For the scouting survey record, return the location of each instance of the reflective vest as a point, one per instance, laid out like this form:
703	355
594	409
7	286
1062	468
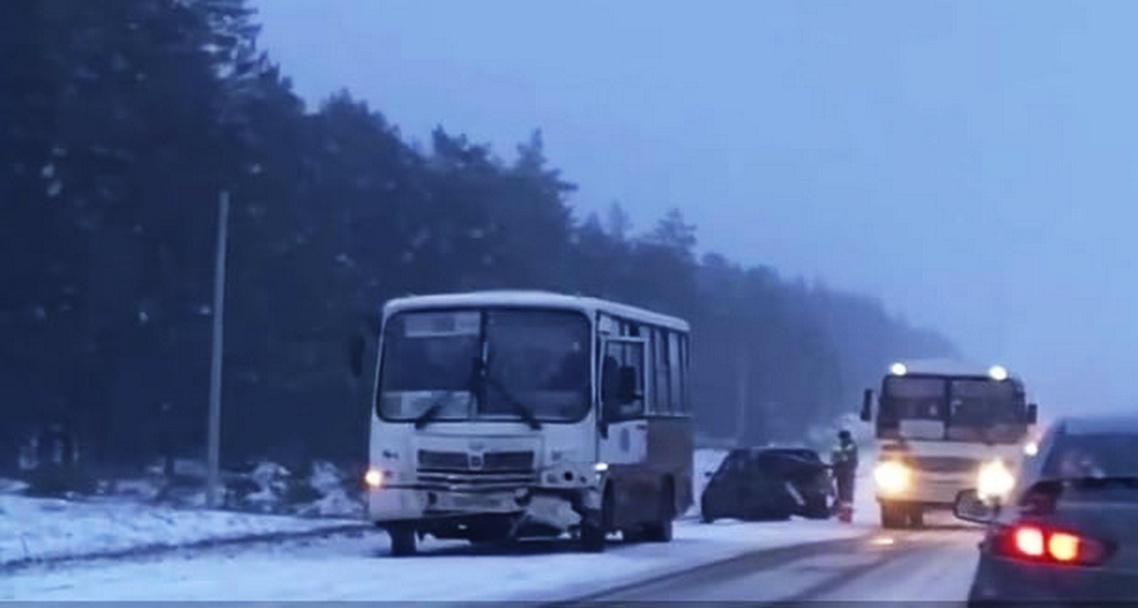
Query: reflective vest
844	456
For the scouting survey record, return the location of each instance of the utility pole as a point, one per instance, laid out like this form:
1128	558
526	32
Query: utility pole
741	411
214	442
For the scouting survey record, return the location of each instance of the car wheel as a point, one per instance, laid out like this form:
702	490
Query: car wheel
706	514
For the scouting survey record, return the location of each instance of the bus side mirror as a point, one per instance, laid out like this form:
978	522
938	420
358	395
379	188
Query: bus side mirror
867	405
1032	413
356	348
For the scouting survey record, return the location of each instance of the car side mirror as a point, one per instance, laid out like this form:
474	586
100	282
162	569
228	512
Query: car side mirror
1032	413
970	507
867	405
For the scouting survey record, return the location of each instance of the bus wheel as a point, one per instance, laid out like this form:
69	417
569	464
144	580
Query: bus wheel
593	535
595	525
916	516
661	531
892	516
402	541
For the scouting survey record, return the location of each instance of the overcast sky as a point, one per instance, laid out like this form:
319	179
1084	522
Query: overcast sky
971	162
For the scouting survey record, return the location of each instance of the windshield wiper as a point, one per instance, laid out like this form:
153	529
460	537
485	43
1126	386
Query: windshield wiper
518	406
428	415
431	413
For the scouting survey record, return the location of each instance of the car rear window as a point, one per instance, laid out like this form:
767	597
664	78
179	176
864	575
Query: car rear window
1093	455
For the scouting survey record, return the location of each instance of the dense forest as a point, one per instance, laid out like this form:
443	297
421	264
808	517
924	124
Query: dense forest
121	121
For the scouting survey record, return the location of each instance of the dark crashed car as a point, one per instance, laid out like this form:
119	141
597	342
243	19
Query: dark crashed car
768	484
1067	533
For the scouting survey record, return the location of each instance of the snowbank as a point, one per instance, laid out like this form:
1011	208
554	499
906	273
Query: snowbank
37	529
264	487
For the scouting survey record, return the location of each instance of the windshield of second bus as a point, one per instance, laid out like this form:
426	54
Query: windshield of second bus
964	410
984	410
536	359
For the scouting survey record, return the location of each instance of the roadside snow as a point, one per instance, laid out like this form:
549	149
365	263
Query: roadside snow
34	529
359	569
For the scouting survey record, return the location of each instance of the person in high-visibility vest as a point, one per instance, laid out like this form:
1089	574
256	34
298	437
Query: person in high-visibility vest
843	460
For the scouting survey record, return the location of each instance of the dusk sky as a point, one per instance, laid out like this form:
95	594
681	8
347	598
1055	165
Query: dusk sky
970	162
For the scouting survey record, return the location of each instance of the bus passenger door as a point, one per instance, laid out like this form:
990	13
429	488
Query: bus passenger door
624	438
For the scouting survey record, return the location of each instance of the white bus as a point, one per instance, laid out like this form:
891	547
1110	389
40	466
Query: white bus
942	427
500	415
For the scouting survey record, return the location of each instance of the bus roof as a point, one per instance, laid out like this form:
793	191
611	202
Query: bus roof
943	367
533	299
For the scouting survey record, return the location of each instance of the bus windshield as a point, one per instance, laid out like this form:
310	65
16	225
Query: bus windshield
482	364
985	409
963	409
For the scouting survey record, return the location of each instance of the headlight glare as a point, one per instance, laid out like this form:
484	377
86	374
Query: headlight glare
892	476
995	480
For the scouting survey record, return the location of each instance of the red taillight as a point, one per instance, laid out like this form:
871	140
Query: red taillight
1029	541
1065	547
1036	543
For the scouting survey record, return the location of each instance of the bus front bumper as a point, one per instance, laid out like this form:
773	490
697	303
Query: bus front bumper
931	490
556	507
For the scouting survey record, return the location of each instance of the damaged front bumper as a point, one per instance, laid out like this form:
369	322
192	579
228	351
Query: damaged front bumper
559	508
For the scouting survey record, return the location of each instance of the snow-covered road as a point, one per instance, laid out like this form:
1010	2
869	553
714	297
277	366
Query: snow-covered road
934	565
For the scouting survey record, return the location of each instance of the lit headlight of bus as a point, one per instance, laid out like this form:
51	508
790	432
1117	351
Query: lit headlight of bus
995	480
892	477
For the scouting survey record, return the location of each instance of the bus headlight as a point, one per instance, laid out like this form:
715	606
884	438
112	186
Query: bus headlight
373	479
892	477
995	480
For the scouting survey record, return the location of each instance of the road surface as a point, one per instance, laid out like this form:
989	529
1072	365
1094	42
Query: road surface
931	565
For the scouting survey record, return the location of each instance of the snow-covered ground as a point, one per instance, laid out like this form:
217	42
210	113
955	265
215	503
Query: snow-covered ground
33	529
36	529
359	569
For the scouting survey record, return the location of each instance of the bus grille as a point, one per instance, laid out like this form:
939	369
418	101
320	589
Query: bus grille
459	471
944	464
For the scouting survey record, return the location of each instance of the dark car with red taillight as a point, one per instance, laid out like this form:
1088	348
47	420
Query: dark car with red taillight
1067	534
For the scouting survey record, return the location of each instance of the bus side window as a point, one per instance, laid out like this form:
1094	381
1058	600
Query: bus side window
685	370
622	358
676	372
660	398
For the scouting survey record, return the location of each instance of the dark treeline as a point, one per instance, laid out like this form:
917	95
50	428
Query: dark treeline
122	120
